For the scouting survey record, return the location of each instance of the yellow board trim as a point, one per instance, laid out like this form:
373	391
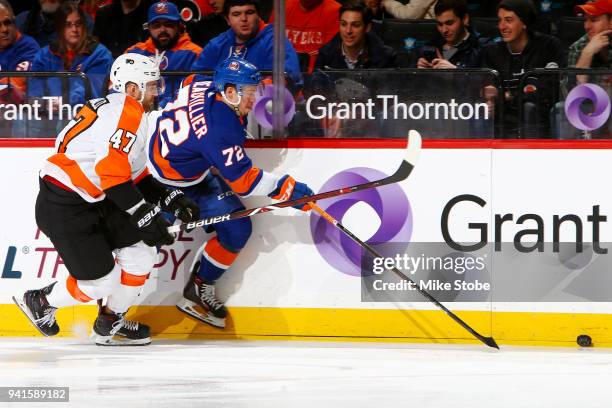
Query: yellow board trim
421	326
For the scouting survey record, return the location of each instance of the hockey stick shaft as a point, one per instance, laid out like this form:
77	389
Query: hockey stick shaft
404	170
489	341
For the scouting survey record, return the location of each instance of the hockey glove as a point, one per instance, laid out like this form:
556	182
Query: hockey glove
177	203
151	225
289	189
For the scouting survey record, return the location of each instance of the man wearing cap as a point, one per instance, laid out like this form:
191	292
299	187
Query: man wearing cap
592	50
522	49
170	44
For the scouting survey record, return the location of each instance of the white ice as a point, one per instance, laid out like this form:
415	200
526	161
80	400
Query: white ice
271	374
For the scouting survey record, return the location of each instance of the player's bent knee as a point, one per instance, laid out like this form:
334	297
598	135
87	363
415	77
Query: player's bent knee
137	259
235	234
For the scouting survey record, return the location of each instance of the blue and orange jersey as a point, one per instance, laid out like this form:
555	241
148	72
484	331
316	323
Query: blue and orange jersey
198	131
180	58
17	57
95	62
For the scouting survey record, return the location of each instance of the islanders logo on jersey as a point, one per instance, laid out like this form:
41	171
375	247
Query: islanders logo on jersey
234	66
163	63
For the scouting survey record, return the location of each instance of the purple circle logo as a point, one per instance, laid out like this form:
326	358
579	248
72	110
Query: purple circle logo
601	107
390	204
263	107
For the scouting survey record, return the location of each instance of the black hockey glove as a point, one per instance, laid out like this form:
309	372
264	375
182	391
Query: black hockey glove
151	225
177	203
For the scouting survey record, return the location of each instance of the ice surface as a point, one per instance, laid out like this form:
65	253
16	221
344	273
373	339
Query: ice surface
202	373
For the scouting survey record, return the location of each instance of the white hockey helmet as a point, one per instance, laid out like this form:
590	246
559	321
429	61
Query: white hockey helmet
135	68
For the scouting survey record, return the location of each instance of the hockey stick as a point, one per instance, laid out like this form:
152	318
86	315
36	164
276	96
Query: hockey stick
412	155
489	341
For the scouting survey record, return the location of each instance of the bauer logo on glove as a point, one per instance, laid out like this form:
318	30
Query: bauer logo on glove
146	219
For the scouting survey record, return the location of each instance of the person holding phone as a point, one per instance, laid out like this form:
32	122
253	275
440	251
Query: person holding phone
458	45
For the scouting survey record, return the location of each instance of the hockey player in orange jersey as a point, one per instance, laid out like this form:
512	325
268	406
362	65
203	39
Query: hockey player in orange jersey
102	209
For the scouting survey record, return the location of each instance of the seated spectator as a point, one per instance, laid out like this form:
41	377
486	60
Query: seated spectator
16	54
17	51
522	49
120	24
39	22
309	25
74	50
210	25
593	50
414	9
249	38
169	44
458	45
355	46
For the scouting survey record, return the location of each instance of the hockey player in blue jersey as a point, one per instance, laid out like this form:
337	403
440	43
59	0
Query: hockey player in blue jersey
204	128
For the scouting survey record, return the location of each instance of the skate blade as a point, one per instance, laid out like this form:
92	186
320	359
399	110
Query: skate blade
189	307
118	341
21	305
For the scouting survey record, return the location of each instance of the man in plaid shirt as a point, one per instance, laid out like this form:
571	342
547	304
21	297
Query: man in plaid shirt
593	49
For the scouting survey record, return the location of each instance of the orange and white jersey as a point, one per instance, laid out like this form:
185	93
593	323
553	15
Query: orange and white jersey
103	146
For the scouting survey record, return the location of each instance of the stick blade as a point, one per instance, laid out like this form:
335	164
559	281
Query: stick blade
489	341
414	147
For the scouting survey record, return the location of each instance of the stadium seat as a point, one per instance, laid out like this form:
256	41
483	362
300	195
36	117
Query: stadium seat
570	29
485	26
408	35
481	8
556	8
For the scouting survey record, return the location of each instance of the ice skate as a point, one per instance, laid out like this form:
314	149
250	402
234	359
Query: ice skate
35	306
199	301
112	329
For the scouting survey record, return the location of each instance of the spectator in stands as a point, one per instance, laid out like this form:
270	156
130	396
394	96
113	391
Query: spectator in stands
249	38
414	9
210	26
39	22
522	49
16	54
169	44
17	51
309	25
377	14
355	46
74	50
458	45
593	49
120	24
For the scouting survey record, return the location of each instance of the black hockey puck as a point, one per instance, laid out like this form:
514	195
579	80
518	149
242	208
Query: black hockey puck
584	340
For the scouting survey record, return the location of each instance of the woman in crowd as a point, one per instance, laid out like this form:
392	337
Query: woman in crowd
76	51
